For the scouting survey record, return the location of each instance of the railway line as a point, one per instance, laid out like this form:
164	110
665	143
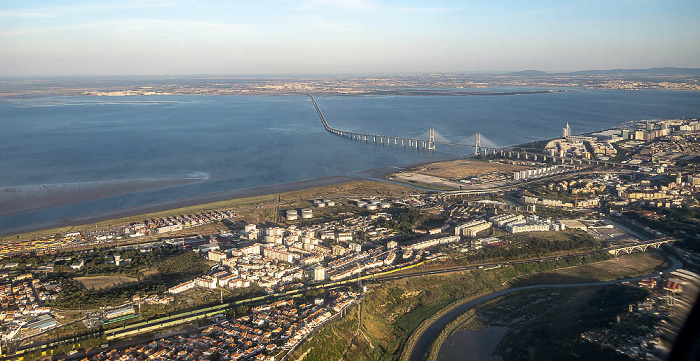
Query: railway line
208	311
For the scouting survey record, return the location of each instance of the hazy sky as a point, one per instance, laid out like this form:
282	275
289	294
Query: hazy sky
343	36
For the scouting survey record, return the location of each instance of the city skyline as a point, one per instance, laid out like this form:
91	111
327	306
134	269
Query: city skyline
335	36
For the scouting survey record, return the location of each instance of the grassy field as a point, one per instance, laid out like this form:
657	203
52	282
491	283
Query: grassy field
463	168
390	313
626	266
104	282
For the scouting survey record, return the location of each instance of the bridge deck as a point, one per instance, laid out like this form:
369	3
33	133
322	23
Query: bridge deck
430	143
367	137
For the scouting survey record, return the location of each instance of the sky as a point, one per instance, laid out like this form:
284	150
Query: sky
188	37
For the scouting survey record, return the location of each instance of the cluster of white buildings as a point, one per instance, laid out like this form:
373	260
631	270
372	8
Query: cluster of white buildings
537	172
165	225
545	202
355	263
472	228
490	241
652	129
572	146
579	146
292	254
434	242
517	223
285	256
22	309
244	268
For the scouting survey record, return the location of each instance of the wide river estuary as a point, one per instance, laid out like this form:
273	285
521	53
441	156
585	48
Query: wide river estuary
66	157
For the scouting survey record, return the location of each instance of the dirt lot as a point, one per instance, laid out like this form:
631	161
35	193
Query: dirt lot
463	168
104	282
426	179
632	265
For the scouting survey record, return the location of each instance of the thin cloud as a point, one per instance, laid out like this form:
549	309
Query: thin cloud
55	11
426	9
135	24
369	5
553	11
50	29
339	4
24	14
201	25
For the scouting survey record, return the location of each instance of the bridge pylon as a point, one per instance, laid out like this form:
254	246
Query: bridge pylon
431	139
477	143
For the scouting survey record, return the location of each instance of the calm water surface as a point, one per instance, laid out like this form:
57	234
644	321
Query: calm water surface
236	142
473	345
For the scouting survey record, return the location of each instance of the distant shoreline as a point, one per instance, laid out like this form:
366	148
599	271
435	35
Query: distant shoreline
436	92
376	174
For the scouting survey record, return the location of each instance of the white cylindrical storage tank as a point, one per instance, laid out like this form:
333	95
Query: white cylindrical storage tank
306	213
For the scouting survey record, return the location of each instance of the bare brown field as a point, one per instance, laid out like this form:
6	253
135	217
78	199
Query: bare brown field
463	168
354	189
631	265
419	178
104	282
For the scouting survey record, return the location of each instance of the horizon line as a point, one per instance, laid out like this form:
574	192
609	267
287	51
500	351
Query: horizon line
465	72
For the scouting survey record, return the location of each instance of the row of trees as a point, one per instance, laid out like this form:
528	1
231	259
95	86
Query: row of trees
74	296
174	267
405	222
535	245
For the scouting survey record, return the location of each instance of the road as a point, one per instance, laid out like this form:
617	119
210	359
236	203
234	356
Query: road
190	316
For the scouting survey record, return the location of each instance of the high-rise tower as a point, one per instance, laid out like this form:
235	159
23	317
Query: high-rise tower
477	143
566	131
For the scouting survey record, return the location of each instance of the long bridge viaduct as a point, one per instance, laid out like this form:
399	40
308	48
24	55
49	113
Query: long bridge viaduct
479	148
428	144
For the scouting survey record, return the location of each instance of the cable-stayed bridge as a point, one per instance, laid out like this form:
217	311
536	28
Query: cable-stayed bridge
426	140
478	141
482	145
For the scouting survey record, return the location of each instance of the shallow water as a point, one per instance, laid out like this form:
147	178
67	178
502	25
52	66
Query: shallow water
473	345
237	142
